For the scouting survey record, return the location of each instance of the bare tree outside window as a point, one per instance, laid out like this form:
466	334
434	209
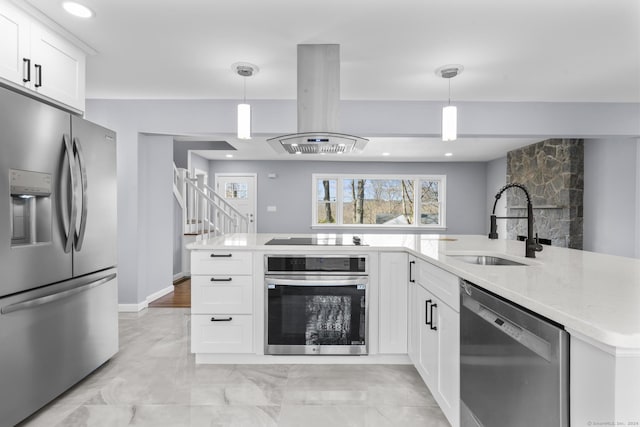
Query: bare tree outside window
326	201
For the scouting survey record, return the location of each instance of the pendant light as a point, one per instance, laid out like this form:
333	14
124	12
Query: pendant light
244	70
450	112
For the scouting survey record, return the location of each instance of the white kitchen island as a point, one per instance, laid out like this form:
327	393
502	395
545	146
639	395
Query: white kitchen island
595	297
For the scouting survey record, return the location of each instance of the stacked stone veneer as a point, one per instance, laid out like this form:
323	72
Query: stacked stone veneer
553	172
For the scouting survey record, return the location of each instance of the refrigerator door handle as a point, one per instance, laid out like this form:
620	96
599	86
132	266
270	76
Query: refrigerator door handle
79	237
23	305
74	211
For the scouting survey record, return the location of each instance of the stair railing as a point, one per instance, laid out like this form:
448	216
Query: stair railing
204	212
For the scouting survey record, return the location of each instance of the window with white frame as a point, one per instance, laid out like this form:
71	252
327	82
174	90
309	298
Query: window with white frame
379	200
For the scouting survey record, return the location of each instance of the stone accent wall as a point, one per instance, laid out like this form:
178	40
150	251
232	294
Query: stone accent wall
553	172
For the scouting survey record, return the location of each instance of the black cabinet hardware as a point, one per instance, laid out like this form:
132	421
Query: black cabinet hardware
221	256
411	264
38	68
426	313
228	279
27	66
433	326
226	319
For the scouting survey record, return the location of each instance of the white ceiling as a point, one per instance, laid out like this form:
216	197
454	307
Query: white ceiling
528	50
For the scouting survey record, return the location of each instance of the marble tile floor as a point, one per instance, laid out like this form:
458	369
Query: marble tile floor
154	381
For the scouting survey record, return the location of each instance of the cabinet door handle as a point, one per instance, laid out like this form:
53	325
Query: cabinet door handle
227	279
38	68
26	62
426	313
221	255
433	326
411	264
227	319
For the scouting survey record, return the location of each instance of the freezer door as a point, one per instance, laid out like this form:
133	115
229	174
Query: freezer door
52	337
95	235
34	194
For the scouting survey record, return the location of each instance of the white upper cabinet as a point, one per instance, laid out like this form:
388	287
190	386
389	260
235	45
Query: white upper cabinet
14	33
36	58
59	68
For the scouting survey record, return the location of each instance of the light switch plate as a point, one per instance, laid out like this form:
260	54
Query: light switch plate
271	209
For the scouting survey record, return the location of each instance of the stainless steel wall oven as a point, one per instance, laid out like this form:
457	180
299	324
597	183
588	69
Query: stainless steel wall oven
316	304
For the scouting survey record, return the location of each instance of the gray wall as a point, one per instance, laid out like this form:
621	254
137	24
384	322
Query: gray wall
291	191
130	118
611	171
181	150
198	162
156	214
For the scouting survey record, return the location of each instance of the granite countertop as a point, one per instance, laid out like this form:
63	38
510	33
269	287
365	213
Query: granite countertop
593	295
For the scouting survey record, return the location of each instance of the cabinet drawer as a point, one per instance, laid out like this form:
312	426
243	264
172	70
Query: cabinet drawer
221	262
222	294
442	284
221	335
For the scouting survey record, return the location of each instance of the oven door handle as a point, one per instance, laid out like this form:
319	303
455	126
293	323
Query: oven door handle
312	282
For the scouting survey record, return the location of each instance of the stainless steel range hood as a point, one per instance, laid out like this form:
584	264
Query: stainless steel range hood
318	106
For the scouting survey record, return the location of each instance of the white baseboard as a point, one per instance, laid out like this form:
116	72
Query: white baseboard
181	275
134	308
162	292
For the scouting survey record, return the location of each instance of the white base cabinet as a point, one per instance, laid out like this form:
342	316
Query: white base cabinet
392	309
222	302
221	333
434	342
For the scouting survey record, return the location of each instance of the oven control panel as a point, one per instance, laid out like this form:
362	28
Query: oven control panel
316	264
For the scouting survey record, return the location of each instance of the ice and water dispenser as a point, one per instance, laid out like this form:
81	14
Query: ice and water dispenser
30	207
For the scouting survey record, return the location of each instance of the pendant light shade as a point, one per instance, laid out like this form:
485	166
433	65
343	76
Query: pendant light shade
449	123
244	121
450	112
244	69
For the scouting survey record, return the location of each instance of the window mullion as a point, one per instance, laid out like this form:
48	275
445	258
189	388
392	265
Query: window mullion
339	200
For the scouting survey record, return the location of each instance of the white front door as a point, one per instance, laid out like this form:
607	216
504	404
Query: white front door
239	190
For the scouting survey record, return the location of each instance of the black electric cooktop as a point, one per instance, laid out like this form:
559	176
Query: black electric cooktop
316	241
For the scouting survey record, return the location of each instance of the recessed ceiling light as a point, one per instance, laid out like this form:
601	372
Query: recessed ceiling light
77	9
298	152
448	154
228	156
386	154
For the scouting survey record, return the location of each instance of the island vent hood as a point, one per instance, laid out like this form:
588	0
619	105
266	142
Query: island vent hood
318	106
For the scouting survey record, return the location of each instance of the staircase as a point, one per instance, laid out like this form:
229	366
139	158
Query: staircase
204	212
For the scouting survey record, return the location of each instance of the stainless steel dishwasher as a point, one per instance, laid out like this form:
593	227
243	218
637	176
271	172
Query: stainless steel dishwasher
514	365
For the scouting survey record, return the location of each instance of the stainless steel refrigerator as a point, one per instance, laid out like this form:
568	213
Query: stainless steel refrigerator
58	285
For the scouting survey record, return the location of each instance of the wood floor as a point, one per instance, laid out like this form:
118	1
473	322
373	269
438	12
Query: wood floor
180	297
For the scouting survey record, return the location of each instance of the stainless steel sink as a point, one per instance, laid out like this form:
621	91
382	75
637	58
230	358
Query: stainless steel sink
485	260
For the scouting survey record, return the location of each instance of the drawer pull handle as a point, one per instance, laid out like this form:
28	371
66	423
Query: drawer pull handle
411	279
228	279
221	256
228	319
